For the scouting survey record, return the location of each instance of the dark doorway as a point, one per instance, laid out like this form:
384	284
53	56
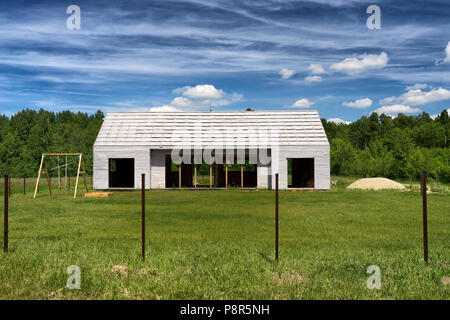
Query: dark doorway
301	173
121	173
246	178
186	175
203	175
236	175
219	175
173	174
250	176
242	175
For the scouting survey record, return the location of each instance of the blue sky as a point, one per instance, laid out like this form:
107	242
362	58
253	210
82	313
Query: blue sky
226	55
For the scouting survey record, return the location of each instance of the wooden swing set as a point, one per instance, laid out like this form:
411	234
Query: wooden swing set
45	171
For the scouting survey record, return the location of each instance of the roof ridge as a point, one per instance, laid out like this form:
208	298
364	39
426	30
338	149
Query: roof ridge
215	112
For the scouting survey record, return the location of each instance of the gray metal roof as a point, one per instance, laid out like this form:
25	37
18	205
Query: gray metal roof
167	129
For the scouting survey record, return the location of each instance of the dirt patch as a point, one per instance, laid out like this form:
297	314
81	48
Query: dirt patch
289	278
446	281
120	268
376	184
147	271
55	295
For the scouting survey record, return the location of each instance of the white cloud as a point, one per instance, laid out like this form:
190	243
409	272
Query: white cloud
286	73
313	78
417	97
363	62
201	91
200	97
302	103
338	121
360	103
396	109
182	102
417	86
164	108
316	68
447	53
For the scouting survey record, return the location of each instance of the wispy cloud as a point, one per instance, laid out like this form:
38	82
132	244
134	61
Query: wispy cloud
302	103
133	54
360	103
316	68
396	109
361	63
417	86
286	73
313	78
417	97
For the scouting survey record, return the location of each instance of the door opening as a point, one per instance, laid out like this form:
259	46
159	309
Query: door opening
301	173
121	173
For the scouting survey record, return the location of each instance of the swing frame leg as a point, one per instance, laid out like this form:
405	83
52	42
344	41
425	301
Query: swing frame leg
80	163
39	177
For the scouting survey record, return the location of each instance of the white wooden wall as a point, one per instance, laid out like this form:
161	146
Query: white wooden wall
141	156
263	174
321	155
158	168
152	163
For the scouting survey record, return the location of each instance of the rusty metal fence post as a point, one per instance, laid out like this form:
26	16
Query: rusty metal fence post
276	217
143	216
425	215
5	216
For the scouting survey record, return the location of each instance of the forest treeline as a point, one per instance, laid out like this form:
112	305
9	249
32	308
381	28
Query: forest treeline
28	133
377	145
400	147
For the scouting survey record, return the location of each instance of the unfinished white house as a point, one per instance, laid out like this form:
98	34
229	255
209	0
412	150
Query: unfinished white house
212	150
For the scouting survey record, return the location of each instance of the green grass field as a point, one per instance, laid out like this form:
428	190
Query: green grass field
220	245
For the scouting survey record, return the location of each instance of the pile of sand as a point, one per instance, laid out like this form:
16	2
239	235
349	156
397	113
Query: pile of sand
375	184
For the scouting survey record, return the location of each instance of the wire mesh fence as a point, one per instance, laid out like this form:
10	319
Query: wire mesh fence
27	185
